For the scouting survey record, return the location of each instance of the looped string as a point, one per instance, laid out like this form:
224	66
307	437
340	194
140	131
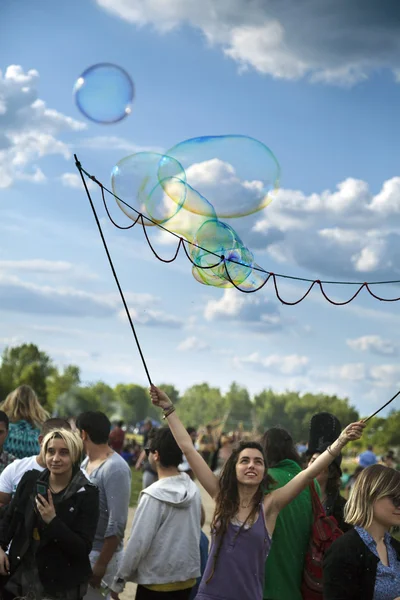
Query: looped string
182	243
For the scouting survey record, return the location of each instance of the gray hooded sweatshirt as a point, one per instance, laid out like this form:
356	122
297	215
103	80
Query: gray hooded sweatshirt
163	546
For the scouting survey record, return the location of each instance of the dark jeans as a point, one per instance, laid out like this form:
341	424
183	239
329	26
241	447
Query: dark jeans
143	593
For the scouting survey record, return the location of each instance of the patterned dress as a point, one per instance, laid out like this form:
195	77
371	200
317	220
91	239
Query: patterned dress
23	440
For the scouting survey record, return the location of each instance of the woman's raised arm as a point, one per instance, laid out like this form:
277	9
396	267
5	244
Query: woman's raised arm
278	499
200	468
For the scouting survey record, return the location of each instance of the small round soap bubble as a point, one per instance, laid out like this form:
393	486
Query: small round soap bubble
104	93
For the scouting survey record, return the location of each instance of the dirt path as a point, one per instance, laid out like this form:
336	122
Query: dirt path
208	504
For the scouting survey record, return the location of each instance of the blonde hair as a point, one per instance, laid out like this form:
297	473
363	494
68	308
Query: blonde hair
71	439
373	483
23	405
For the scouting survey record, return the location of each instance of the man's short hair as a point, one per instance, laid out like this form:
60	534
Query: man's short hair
4	419
55	423
162	441
96	424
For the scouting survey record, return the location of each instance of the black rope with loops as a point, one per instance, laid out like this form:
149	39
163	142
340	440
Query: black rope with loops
221	260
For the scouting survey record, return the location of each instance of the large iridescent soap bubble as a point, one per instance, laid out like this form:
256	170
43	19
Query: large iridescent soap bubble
237	174
104	93
191	187
207	277
218	249
183	222
135	184
255	280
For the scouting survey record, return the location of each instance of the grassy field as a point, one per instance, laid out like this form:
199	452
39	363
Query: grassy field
136	486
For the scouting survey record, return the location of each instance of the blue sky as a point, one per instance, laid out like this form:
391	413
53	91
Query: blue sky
319	88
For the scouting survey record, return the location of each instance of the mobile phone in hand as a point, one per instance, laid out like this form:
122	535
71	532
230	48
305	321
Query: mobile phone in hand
42	488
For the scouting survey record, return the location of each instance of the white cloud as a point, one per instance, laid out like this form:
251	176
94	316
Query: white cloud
112	142
218	181
23	297
14	340
53	330
74	181
385	375
263	47
335	42
36	265
368	259
254	310
29	129
37	176
152	318
387	201
357	233
292	364
349	372
56	269
193	344
373	343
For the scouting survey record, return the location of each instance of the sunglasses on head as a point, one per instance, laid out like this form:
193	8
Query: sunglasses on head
395	501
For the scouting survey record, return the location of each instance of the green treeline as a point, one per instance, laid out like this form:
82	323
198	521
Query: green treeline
62	392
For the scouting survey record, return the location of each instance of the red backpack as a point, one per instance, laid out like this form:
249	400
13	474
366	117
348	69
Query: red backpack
325	531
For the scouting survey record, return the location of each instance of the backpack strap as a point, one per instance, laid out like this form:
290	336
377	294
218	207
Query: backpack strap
316	503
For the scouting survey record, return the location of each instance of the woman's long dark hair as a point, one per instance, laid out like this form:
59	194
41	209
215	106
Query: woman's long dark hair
227	501
334	482
278	445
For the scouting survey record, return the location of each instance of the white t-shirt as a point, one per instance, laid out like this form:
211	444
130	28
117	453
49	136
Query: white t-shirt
184	466
12	475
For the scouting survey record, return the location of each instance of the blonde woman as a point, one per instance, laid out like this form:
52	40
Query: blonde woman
26	417
365	562
51	523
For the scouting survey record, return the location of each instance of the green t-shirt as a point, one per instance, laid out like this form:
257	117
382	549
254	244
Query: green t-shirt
285	562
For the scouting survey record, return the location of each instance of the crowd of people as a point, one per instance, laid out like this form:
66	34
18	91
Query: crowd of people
65	489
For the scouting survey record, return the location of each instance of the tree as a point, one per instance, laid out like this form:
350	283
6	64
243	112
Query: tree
201	404
294	411
76	401
105	397
26	364
385	433
171	392
240	407
97	396
271	410
133	402
59	383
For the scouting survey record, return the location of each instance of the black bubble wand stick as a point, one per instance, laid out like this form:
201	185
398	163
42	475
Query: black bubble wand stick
79	167
382	407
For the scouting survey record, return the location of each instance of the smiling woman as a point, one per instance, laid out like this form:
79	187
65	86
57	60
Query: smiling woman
50	523
365	562
244	518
